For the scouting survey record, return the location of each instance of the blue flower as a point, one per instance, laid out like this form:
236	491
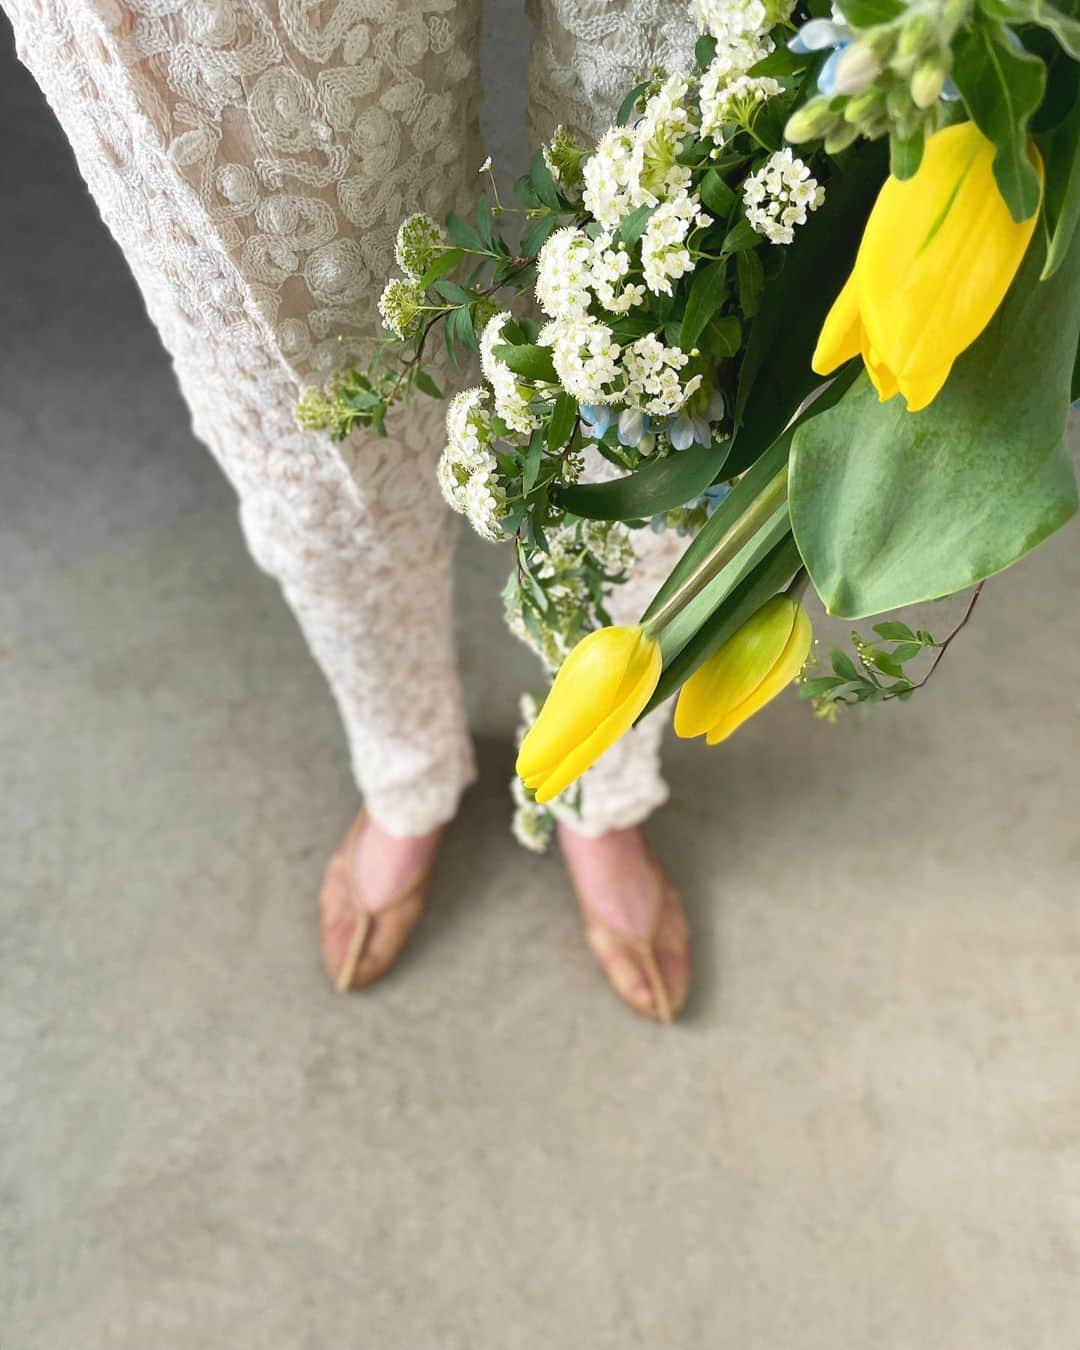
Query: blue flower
817	36
597	418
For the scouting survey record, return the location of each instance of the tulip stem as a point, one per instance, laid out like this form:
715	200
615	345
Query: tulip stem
738	534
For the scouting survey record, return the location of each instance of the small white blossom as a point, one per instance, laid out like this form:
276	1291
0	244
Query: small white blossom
563	274
467	471
609	270
511	404
652	373
664	255
607	178
779	195
585	356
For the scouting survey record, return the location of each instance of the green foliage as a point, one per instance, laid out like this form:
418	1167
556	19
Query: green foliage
891	508
1003	85
659	485
880	674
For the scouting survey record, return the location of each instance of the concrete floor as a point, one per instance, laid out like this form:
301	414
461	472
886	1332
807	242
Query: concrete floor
865	1134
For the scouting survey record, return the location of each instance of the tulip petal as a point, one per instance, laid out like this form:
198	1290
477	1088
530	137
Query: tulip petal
841	333
783	672
633	697
599	691
938	254
735	670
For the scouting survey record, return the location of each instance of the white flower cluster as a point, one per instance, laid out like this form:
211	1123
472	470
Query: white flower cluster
738	21
585	356
419	242
399	306
664	255
779	195
564	274
653	382
467	468
510	403
637	166
727	100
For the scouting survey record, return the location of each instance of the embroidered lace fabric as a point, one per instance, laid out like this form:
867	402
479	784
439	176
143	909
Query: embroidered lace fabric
253	159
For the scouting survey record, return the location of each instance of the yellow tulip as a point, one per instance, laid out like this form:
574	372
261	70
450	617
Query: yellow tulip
598	693
749	670
939	251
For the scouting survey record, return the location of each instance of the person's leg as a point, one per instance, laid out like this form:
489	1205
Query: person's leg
254	166
586	55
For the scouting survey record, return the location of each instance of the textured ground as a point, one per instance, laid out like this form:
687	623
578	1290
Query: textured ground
865	1135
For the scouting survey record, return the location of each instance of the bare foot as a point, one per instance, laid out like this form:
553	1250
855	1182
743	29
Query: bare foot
619	883
374	870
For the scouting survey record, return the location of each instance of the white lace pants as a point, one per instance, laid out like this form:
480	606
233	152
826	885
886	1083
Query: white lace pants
253	159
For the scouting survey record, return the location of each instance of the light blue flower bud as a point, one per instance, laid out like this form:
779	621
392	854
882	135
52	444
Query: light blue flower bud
856	69
633	424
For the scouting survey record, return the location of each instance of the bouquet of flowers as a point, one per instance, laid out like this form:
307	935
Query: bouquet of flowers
814	304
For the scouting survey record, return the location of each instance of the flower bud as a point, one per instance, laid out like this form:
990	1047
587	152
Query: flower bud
809	122
862	107
928	82
840	139
916	35
857	68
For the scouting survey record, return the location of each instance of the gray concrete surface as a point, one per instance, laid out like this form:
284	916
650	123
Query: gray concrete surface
864	1136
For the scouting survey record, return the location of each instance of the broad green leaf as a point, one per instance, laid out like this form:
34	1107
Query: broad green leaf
632	227
532	462
758	584
659	485
742	235
894	631
542	183
775	374
708	290
1002	86
455	294
445	262
626	107
716	196
527	360
891	508
751	279
1064	26
704	51
561	423
1061	153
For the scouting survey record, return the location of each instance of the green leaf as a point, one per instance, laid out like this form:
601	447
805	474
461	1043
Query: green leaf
1061	153
485	223
528	360
775	374
1065	27
742	235
751	278
561	423
537	235
716	197
445	262
427	385
891	508
723	336
708	290
759	583
455	294
632	227
533	455
1002	86
869	13
542	182
626	107
894	631
704	51
658	485
905	154
843	665
463	234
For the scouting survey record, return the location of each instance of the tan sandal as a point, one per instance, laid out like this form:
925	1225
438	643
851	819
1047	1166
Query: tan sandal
668	931
340	897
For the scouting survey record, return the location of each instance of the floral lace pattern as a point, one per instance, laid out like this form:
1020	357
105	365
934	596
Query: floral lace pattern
253	159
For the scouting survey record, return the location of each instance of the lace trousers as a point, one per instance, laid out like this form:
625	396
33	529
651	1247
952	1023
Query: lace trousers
253	159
